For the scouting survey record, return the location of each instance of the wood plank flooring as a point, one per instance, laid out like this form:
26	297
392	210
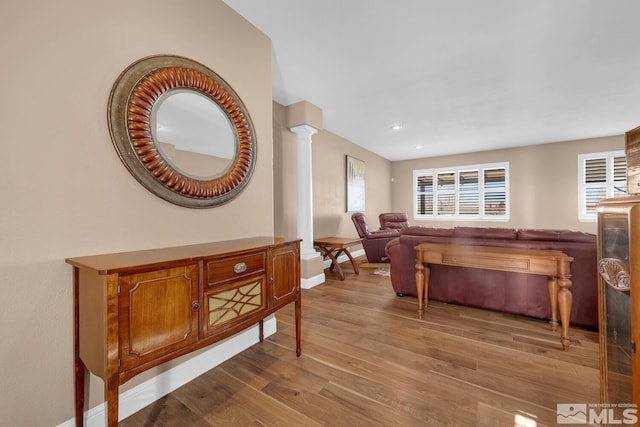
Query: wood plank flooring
368	361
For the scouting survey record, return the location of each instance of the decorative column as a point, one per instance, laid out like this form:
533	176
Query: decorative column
305	190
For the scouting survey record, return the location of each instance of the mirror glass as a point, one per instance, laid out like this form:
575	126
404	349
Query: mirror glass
193	134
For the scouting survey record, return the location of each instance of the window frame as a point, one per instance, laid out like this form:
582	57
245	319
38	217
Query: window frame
609	185
482	193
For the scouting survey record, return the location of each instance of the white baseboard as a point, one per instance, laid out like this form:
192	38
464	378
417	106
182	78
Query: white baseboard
131	401
312	281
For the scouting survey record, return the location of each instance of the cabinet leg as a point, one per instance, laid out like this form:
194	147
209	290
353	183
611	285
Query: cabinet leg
81	376
298	315
261	330
80	388
111	393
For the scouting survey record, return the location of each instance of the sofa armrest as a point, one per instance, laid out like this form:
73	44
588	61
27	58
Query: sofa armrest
390	245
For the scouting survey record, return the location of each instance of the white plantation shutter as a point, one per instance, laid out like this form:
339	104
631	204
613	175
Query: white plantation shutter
619	176
601	176
424	195
495	194
446	194
479	192
469	193
595	179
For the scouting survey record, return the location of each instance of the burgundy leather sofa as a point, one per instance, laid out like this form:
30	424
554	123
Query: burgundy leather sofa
516	293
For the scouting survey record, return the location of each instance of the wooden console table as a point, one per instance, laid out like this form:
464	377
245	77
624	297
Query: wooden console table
332	247
554	264
136	310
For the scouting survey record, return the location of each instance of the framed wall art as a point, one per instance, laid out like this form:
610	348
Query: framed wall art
355	185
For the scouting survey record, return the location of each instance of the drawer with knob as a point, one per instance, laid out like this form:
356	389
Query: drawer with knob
233	268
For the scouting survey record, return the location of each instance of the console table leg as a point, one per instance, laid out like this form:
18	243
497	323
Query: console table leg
565	299
422	287
552	285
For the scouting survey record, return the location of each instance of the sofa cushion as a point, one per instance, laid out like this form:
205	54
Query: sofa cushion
486	233
556	235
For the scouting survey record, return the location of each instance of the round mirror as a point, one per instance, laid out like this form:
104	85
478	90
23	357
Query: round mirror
182	131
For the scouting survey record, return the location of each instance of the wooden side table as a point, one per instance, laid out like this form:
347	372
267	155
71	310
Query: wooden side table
332	247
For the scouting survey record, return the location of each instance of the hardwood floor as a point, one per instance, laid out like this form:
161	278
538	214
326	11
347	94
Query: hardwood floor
368	361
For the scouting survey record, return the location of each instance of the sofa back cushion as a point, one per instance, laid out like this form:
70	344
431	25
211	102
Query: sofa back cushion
396	220
415	230
556	236
486	233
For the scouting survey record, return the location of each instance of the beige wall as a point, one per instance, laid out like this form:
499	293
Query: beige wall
284	174
329	153
330	217
543	180
64	190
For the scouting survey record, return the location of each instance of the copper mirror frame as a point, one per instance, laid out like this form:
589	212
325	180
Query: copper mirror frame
131	102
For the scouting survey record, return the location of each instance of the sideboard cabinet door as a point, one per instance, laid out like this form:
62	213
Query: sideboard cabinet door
158	313
284	280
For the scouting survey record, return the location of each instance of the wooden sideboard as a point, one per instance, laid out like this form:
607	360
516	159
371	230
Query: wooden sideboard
136	310
554	264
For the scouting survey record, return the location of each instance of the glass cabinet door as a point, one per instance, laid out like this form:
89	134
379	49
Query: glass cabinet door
615	300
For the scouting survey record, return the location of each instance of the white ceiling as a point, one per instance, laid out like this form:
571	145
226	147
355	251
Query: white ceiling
459	75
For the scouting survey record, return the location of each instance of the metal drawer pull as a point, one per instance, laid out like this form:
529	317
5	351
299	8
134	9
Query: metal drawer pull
240	267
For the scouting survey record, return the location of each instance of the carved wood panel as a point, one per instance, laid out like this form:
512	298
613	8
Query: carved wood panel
156	313
284	265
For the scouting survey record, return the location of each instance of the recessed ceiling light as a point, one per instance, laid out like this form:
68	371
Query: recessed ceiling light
396	126
418	147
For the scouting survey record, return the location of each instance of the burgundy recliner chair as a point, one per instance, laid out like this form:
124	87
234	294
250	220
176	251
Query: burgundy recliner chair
373	242
393	220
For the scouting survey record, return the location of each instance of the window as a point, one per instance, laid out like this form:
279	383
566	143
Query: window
600	176
463	193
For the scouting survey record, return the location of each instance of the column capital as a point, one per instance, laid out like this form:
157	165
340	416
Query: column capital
304	130
303	113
